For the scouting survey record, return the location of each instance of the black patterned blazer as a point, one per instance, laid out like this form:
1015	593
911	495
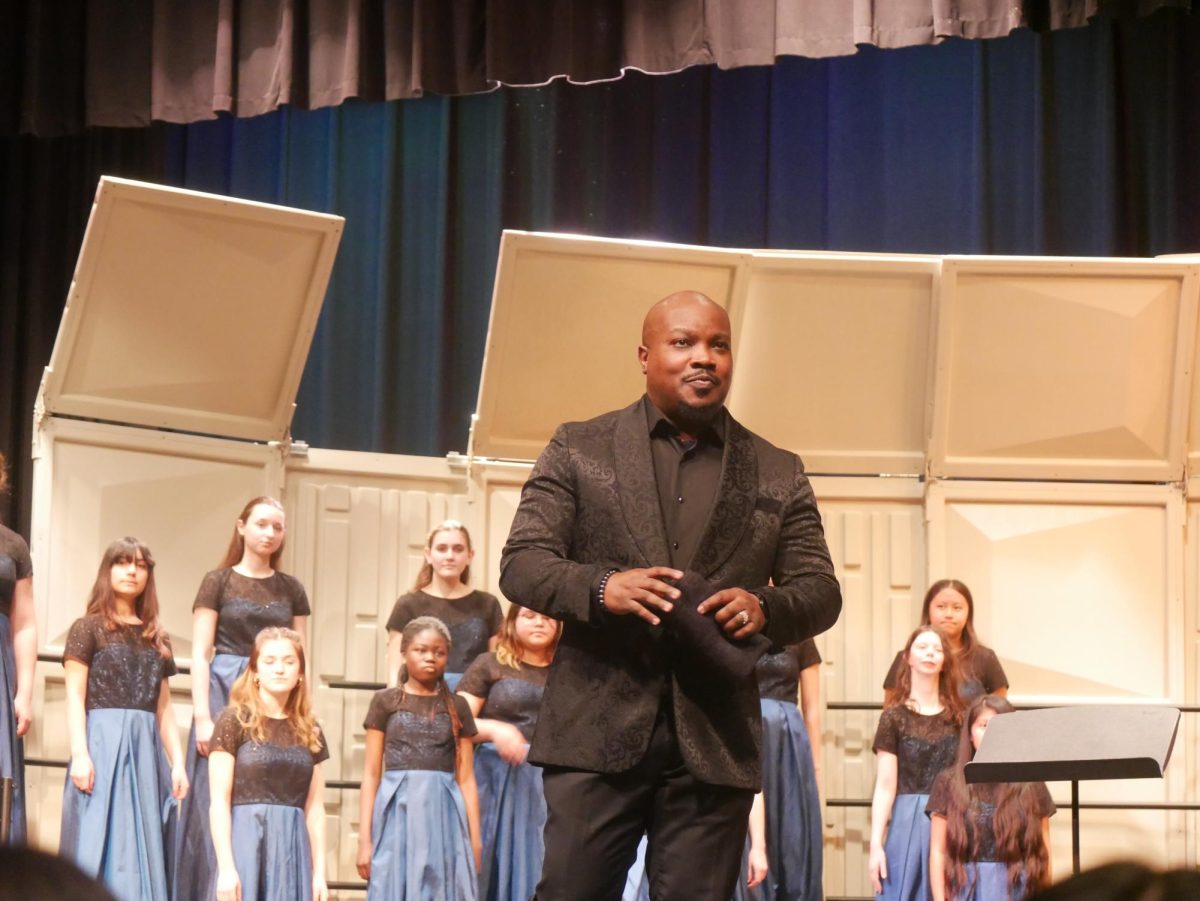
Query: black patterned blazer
590	505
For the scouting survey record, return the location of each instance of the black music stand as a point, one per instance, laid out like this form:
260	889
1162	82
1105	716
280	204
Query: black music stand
1060	744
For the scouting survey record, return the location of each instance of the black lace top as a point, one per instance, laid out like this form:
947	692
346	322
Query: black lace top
1036	801
980	673
276	771
510	695
779	673
246	606
124	669
923	745
417	729
471	619
14	566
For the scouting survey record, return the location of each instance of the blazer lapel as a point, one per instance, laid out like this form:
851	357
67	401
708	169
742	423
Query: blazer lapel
734	505
636	487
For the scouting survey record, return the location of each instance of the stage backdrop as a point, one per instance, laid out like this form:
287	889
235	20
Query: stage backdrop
1071	142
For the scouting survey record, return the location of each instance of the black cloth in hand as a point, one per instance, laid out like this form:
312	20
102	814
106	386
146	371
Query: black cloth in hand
702	640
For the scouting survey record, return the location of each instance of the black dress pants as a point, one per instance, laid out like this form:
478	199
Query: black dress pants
696	831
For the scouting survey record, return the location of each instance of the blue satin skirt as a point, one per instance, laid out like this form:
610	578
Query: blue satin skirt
119	832
271	852
512	815
988	881
792	806
421	846
195	862
907	851
12	749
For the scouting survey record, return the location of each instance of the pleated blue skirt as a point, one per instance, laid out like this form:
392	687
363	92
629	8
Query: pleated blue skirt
271	852
907	851
118	832
12	749
792	806
194	861
512	814
421	847
988	881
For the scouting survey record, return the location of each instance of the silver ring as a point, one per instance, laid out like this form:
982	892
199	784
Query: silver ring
743	618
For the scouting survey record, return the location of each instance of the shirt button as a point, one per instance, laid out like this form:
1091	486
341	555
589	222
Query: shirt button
675	545
680	499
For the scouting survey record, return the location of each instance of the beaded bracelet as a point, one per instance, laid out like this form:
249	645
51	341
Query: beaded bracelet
604	584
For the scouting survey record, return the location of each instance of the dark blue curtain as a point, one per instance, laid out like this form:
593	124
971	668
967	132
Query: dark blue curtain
1072	142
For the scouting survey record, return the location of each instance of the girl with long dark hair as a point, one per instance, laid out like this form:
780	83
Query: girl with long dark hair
267	812
119	719
950	607
244	595
418	808
442	590
504	688
990	841
916	739
18	658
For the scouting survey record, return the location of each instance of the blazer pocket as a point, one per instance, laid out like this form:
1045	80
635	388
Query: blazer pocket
772	506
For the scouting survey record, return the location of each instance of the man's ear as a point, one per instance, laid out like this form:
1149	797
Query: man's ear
643	353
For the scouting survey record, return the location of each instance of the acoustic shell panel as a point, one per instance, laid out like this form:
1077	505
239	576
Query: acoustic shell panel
190	311
565	327
832	359
1063	368
179	494
1077	587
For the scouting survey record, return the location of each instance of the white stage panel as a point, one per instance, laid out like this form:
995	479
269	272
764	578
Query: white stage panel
832	359
1063	369
565	326
1078	588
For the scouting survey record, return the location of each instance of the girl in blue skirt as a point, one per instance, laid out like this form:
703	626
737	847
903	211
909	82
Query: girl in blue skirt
989	841
117	798
418	833
504	690
916	739
18	657
245	595
267	813
790	754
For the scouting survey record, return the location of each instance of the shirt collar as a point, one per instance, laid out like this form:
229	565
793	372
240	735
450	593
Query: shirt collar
658	424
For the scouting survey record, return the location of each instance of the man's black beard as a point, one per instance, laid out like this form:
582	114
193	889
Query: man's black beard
691	419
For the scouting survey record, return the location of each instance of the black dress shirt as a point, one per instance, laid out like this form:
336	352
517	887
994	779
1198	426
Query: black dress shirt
687	472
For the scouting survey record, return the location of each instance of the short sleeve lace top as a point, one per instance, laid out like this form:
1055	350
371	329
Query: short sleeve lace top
510	695
124	668
246	606
1034	797
417	729
923	745
471	619
15	565
276	771
779	672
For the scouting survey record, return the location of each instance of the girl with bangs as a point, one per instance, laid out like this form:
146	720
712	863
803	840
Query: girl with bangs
916	740
267	812
504	689
418	834
950	607
244	595
117	795
991	841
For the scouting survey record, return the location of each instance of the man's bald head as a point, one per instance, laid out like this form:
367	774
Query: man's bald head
661	311
687	357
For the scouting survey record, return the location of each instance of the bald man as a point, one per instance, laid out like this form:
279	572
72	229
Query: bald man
636	732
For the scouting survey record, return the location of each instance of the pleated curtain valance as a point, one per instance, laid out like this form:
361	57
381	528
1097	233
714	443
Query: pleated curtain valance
70	64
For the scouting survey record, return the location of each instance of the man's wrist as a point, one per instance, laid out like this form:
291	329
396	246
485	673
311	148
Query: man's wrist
763	605
602	585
